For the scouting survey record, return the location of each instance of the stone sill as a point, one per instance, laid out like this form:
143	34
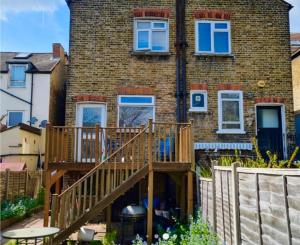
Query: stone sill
214	55
149	53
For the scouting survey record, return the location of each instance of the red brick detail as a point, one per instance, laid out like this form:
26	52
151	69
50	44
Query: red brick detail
58	50
135	91
199	86
151	12
269	100
89	97
228	86
212	14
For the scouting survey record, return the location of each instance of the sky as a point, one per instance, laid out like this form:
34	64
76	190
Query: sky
33	25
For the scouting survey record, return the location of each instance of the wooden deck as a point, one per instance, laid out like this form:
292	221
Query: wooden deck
114	159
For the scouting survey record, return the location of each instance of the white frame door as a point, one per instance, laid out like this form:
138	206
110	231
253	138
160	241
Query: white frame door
79	123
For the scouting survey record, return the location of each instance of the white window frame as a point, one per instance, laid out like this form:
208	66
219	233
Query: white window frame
150	30
213	30
8	112
135	104
23	85
241	112
198	109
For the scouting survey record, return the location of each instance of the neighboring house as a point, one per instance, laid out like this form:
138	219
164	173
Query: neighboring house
237	76
295	49
22	144
32	87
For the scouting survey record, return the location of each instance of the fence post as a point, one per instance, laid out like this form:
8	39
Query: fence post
54	206
97	144
235	202
7	183
214	224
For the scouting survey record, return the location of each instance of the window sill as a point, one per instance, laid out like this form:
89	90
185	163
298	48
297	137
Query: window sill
214	55
231	132
197	110
17	87
150	53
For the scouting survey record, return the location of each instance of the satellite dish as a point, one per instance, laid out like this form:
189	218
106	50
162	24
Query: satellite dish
43	124
33	120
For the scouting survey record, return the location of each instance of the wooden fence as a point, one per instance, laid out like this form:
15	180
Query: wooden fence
20	183
253	206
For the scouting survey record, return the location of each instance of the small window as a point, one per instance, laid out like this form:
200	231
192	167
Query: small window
213	37
151	35
198	100
230	110
135	110
14	118
17	78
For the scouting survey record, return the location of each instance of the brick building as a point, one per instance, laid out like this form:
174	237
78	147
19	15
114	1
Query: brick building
238	68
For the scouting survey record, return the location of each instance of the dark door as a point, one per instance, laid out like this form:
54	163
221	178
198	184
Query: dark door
269	130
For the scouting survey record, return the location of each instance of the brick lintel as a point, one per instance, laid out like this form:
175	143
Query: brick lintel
229	86
212	14
152	12
135	91
89	97
269	100
199	86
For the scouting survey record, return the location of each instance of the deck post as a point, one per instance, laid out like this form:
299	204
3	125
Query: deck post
190	194
47	197
47	146
108	218
97	144
54	206
182	197
150	185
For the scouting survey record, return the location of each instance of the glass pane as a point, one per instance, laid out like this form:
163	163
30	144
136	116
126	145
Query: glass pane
221	25
230	111
91	116
230	96
159	25
221	42
134	116
143	39
143	25
268	118
231	126
204	31
159	40
136	100
18	73
198	100
15	118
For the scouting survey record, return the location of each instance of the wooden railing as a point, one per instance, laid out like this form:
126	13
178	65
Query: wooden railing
84	144
172	142
101	181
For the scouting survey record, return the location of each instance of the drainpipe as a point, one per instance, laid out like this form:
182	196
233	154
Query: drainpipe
181	95
31	96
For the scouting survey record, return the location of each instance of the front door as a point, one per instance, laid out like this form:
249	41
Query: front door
87	117
269	130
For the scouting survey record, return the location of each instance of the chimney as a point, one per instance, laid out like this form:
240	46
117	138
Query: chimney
58	51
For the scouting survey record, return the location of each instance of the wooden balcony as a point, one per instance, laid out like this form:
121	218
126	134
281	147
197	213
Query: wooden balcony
73	148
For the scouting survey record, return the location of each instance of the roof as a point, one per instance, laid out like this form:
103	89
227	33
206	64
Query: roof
13	166
295	44
42	62
25	127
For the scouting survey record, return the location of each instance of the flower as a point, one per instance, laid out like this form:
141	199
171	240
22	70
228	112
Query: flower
156	236
166	236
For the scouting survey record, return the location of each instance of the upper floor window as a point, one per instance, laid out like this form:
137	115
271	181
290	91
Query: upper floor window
230	110
14	118
135	110
213	37
151	35
17	77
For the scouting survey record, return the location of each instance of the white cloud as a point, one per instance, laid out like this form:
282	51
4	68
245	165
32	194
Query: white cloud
17	6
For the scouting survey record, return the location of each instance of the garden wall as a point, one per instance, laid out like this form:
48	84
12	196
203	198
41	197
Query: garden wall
20	183
253	206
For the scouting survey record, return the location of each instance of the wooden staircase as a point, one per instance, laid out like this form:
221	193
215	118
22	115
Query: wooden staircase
100	187
159	145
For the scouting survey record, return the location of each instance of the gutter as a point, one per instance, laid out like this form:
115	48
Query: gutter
14	96
31	97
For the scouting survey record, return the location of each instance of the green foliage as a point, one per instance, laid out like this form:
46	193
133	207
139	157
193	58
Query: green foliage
196	232
258	162
21	206
110	238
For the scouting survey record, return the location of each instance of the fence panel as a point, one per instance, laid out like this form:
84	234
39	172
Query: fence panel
19	183
267	202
